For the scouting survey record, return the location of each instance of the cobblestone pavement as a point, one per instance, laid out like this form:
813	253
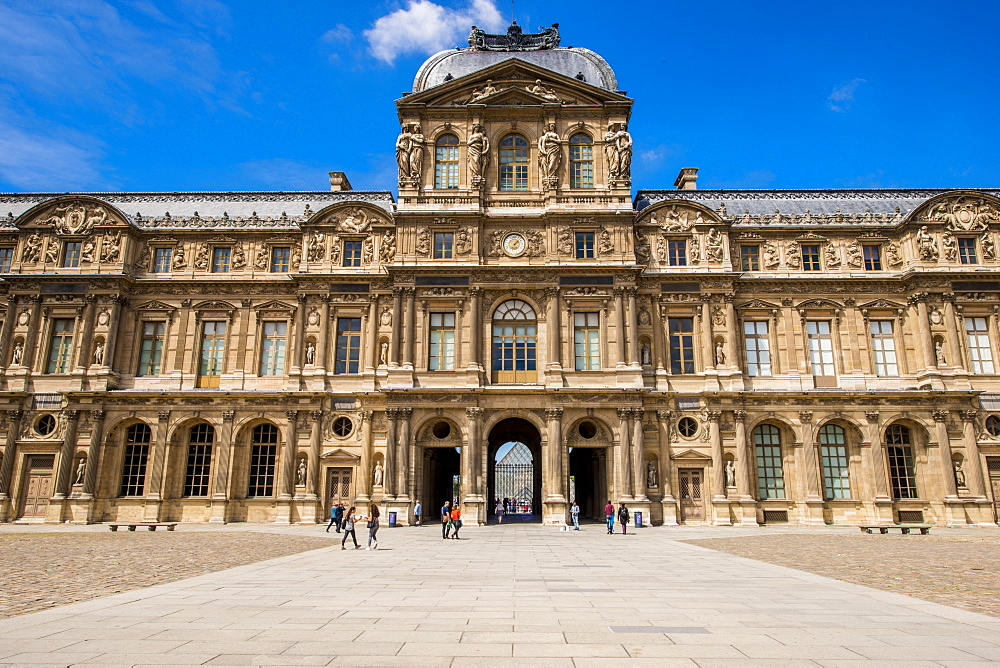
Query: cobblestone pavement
505	596
958	570
43	570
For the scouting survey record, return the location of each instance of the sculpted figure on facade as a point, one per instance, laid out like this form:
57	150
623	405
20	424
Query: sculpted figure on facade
565	242
694	249
832	256
423	245
965	214
368	251
355	221
484	92
676	220
730	474
541	91
111	247
260	260
463	241
296	257
310	353
793	258
855	256
720	354
201	257
178	261
17	354
950	247
387	249
479	155
641	249
75	219
939	354
378	474
604	244
32	248
316	250
334	250
239	259
713	245
81	471
549	156
51	251
618	152
410	154
386	318
769	254
88	251
892	256
99	353
383	353
652	479
661	249
927	246
989	248
959	473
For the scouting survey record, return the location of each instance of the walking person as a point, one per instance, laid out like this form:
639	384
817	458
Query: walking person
623	518
416	513
499	511
609	516
456	520
333	520
340	515
574	512
348	525
445	519
373	515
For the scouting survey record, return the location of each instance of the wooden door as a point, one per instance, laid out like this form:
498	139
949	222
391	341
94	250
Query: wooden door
993	466
692	503
37	486
338	488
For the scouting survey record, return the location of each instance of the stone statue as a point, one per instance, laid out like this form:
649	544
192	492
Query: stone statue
719	317
316	250
202	256
178	260
239	259
387	249
770	256
416	152
564	241
479	155
730	474
81	471
484	92
99	353
403	144
52	252
260	260
310	353
832	256
296	256
386	318
892	256
543	92
17	354
651	477
377	475
604	244
368	251
793	259
939	354
618	152
950	246
720	354
713	245
410	154
959	473
383	354
463	241
926	245
32	248
644	353
88	250
423	246
989	249
111	248
641	249
334	249
300	473
855	257
549	156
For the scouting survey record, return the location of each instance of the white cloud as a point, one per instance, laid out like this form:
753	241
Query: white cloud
338	34
842	96
425	27
33	157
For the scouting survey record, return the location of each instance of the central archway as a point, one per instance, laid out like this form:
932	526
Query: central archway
515	470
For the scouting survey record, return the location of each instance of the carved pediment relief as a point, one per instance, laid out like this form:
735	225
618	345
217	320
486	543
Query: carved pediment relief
962	213
154	306
352	220
74	218
274	305
810	236
881	303
214	306
680	218
338	453
690	455
758	303
819	303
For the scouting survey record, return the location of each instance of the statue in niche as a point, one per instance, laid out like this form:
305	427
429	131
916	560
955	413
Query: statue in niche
383	354
720	354
300	473
713	245
730	474
950	246
644	353
939	354
959	473
479	154
377	475
892	256
651	475
32	248
927	246
310	353
99	353
832	256
549	155
618	152
17	354
81	471
989	249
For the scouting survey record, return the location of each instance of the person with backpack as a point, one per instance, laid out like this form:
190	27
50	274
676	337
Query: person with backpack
574	512
373	516
609	516
445	519
623	518
349	519
456	520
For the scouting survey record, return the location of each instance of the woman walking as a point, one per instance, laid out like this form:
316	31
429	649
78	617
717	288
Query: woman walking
373	515
499	511
456	520
623	517
348	525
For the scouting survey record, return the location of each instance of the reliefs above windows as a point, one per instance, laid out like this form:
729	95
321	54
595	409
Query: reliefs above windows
316	250
927	245
964	214
387	249
423	246
515	244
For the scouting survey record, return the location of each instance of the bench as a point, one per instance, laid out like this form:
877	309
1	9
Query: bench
150	525
903	528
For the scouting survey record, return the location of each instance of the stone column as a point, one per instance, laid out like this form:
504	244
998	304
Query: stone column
944	450
365	465
298	346
323	345
395	345
472	457
623	469
475	324
63	475
403	452
410	333
666	469
707	345
35	327
93	454
554	331
7	463
83	358
954	337
810	459
553	462
718	462
315	443
638	458
924	330
974	466
223	455
6	334
633	329
371	336
288	455
156	464
744	456
620	325
873	457
114	324
732	333
658	347
389	475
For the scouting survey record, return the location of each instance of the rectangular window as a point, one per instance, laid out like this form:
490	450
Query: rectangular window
199	461
587	341
810	258
443	242
6	260
220	260
677	253
71	254
884	347
901	473
821	353
151	348
584	245
967	250
134	469
836	483
272	349
681	345
213	351
758	347
770	473
60	345
280	259
348	345
873	257
352	253
442	350
446	165
581	165
750	258
161	260
261	478
980	353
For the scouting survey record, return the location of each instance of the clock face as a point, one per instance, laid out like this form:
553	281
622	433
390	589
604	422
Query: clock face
514	244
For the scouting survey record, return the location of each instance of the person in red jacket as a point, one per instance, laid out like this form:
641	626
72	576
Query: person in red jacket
609	516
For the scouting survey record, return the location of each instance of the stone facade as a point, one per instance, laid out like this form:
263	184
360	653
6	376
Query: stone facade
730	357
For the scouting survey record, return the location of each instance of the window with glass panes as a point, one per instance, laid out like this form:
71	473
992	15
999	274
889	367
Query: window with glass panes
71	254
442	345
514	343
584	245
967	250
884	347
280	258
161	260
263	448
513	163
213	353
352	253
750	258
6	260
60	345
770	474
151	348
873	257
199	460
134	457
446	162
272	348
443	243
758	347
587	341
677	253
833	457
681	345
978	337
348	345
899	452
820	348
220	260
581	161
810	258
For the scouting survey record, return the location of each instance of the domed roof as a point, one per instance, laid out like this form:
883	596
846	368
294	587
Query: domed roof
541	49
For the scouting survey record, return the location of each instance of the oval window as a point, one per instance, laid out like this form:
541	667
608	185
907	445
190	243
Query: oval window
441	429
45	425
342	426
587	429
993	425
688	427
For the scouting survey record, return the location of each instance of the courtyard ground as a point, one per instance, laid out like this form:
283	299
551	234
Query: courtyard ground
512	595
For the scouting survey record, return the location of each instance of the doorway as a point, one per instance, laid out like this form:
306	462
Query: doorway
37	487
515	473
441	479
338	488
993	468
690	487
588	481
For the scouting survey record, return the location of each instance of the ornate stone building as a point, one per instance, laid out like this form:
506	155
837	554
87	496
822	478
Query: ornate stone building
741	357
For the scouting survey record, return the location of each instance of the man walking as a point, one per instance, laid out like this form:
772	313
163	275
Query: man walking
609	516
416	513
445	518
574	512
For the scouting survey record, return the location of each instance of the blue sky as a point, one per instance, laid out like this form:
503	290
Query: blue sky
252	95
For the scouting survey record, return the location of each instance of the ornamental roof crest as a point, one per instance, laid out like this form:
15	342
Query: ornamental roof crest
76	218
514	40
964	213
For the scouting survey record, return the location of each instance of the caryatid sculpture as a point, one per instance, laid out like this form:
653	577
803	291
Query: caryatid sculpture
410	154
479	155
618	151
549	156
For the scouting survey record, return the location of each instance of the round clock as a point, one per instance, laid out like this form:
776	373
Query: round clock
514	244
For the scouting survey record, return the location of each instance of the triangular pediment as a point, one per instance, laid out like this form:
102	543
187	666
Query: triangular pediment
338	453
691	456
274	305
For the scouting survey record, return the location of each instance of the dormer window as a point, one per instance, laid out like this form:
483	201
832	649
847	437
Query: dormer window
581	161
446	162
514	163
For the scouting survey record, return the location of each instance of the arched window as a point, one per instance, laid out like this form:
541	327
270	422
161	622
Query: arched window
899	450
136	453
263	450
581	161
446	162
833	455
514	336
513	163
770	475
199	459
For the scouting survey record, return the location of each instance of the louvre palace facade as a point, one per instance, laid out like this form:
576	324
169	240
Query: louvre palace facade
706	356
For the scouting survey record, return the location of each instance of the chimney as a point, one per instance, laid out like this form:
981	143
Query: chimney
687	179
338	181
